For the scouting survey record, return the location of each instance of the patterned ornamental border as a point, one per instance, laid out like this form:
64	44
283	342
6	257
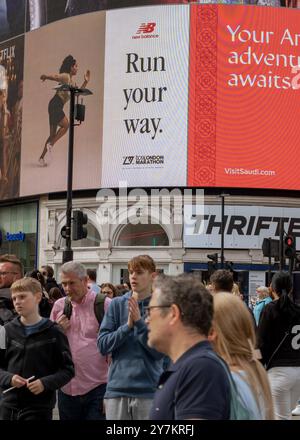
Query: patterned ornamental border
204	123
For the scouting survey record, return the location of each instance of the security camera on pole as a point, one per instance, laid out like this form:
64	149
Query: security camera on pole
76	112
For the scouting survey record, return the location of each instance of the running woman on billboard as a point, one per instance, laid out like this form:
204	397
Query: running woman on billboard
58	121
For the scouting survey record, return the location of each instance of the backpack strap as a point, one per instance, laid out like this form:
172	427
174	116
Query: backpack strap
238	410
99	306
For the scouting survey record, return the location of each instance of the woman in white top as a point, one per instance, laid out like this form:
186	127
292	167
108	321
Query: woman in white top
233	339
58	121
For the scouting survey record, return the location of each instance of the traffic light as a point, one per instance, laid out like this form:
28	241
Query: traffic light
213	257
79	220
270	247
229	266
297	264
289	246
212	265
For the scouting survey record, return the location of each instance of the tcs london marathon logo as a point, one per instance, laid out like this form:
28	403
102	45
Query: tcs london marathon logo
146	30
143	160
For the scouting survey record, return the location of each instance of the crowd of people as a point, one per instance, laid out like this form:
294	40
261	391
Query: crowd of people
160	347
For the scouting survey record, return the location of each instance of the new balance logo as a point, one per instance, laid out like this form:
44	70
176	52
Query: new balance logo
146	28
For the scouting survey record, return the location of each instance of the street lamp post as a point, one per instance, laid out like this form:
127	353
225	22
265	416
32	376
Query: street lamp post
222	195
67	234
68	252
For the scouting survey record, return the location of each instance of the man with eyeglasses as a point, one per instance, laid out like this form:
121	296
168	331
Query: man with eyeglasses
196	385
135	368
11	269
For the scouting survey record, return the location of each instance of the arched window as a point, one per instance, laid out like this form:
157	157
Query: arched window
143	235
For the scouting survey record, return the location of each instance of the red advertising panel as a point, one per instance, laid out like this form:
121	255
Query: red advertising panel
244	95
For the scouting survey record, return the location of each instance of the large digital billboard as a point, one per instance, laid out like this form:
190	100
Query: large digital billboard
145	97
242	86
244	97
12	18
41	12
46	110
11	104
183	95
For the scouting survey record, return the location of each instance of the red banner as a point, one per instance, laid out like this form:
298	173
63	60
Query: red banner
244	95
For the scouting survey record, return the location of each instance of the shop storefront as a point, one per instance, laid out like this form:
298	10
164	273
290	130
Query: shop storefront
18	229
245	227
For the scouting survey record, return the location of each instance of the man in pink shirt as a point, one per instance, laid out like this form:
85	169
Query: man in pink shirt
82	397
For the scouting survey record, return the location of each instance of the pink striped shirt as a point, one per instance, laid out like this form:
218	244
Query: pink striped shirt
90	366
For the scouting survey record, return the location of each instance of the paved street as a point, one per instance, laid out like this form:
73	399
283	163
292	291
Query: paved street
55	415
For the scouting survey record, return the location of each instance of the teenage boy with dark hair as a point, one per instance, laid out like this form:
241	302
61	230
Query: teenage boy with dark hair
135	368
35	358
222	281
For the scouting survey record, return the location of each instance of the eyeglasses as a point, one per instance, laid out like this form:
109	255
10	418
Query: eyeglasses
3	274
148	309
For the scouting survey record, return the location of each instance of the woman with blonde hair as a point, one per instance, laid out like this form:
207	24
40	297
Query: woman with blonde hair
236	291
233	339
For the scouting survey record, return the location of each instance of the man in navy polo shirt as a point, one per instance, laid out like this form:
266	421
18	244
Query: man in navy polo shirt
196	385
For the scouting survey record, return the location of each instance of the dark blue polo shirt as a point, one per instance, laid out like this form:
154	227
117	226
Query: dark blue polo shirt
195	387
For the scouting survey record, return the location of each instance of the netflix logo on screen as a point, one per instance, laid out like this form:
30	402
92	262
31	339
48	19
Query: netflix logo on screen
146	30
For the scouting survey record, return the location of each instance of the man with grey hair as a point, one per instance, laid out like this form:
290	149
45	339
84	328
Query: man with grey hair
82	398
196	385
